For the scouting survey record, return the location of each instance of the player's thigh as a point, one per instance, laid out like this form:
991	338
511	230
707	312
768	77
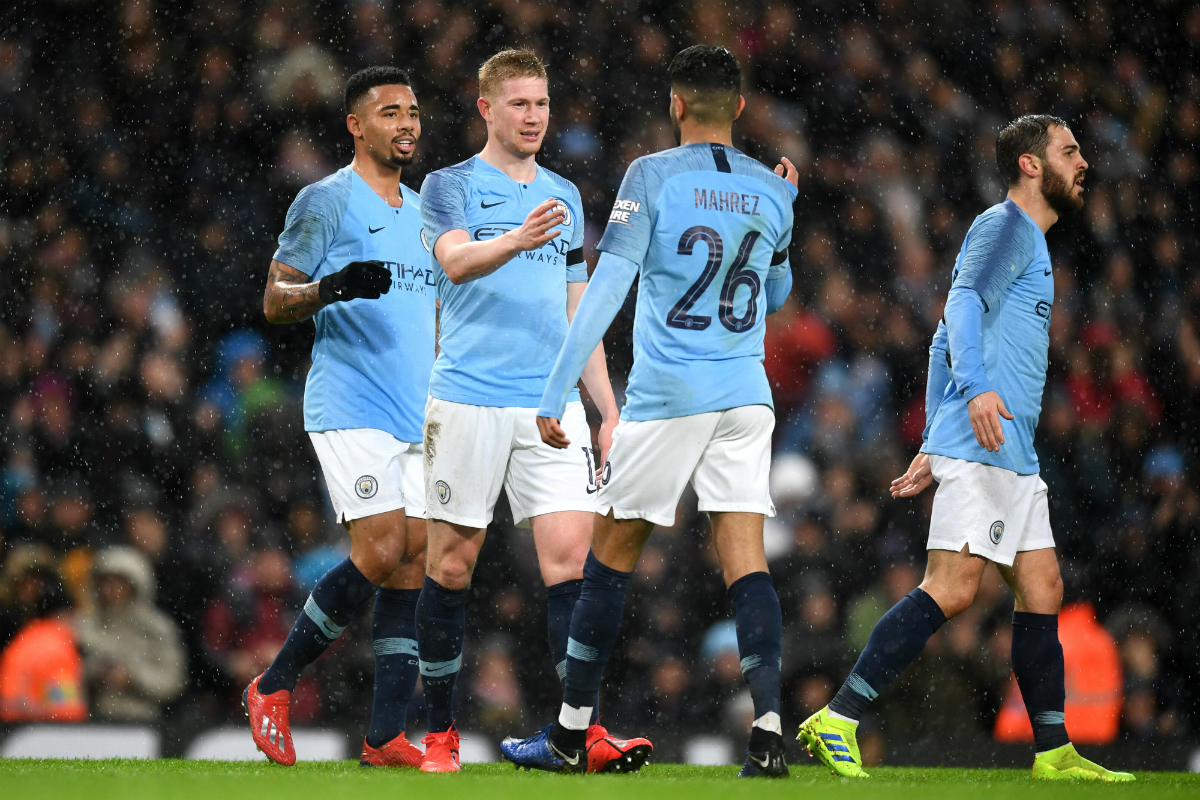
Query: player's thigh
973	508
1034	576
562	540
378	544
738	536
543	480
451	552
363	471
410	574
466	451
952	579
650	463
733	473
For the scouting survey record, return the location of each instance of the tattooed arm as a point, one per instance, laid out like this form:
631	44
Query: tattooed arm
291	296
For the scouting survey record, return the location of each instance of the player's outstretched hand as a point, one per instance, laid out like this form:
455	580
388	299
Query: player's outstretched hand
365	280
916	480
552	433
535	231
986	410
787	170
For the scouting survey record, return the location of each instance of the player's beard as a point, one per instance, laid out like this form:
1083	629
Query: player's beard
1058	192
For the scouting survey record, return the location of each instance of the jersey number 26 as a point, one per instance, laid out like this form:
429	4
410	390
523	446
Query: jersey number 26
737	276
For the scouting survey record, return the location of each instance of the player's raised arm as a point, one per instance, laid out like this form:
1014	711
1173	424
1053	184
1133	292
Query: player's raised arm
464	260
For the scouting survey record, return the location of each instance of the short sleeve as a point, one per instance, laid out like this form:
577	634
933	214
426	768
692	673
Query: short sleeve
443	204
629	225
312	223
576	266
998	250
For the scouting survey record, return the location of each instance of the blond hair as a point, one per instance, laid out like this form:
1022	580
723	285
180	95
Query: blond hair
506	65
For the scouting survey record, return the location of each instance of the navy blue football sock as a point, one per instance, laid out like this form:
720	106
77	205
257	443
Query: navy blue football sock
326	614
560	605
441	623
895	643
394	635
595	626
760	638
1037	659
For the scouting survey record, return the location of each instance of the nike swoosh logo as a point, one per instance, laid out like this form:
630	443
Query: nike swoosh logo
764	763
1047	272
574	762
489	205
376	230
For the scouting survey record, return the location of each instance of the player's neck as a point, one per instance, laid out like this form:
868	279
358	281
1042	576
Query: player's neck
692	133
383	180
521	168
1029	199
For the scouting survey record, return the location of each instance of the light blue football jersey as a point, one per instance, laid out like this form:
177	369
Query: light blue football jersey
709	226
501	333
994	336
371	358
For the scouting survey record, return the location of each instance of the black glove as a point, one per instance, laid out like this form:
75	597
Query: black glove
358	279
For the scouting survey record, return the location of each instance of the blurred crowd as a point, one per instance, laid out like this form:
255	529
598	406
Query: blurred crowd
161	513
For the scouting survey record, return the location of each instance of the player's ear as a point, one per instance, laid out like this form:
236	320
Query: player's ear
678	106
740	106
485	108
354	125
1031	165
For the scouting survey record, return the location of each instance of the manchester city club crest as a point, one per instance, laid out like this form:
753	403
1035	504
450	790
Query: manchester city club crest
366	487
443	492
565	209
997	531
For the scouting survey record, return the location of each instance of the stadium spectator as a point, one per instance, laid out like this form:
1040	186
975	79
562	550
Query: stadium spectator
132	654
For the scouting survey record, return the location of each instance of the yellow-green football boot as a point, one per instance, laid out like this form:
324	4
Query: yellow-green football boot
832	741
1065	764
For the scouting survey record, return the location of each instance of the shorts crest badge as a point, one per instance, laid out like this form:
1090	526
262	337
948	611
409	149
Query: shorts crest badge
443	492
997	531
366	487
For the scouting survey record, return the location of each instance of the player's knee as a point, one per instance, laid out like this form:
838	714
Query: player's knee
953	599
452	573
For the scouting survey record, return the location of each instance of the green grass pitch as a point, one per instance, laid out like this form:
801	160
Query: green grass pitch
171	779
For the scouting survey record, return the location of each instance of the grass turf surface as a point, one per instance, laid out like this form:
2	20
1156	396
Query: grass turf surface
182	780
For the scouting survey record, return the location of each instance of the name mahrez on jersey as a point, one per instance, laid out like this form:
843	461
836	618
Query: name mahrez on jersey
733	202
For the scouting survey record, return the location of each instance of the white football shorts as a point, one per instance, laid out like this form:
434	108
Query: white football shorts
726	455
472	451
371	472
995	512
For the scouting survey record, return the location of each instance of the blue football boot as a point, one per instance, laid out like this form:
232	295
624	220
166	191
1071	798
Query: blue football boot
538	752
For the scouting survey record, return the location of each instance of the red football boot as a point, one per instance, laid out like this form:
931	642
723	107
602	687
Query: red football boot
399	752
269	724
441	752
606	754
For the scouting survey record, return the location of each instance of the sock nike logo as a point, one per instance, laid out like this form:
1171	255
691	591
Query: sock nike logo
376	230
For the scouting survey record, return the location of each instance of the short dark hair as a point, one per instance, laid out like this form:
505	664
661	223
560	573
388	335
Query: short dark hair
713	79
1027	134
367	79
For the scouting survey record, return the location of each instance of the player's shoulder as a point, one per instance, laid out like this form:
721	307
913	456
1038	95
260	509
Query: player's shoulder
328	194
447	177
1005	223
742	164
560	183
